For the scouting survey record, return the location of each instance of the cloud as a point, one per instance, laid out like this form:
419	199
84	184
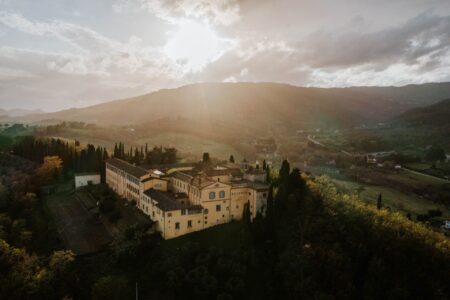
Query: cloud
222	12
255	41
92	52
426	35
81	38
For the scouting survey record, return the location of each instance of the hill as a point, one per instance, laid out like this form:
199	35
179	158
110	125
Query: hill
437	115
257	104
19	112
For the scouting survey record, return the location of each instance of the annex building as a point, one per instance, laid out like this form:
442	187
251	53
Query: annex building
187	197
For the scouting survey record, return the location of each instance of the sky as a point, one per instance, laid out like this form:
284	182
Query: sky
59	54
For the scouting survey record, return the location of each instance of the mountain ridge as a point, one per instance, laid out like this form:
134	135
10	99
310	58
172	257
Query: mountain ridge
257	103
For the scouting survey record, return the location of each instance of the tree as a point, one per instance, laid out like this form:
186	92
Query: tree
110	288
379	202
264	166
268	175
270	210
231	158
206	159
284	172
435	154
50	170
247	215
296	182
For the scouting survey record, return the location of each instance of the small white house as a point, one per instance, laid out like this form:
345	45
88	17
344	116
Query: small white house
83	179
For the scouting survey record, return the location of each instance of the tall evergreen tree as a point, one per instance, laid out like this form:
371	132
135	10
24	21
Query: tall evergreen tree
284	172
379	202
247	215
268	175
231	158
206	159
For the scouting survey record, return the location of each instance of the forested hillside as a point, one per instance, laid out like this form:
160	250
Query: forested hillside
257	105
313	243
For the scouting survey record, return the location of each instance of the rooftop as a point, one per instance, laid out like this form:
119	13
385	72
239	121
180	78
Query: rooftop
244	183
255	171
168	201
133	170
224	171
165	167
86	174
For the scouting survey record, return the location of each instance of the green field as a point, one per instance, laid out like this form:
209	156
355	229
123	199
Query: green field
396	200
190	146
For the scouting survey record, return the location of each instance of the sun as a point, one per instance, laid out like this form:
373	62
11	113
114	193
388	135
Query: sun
193	45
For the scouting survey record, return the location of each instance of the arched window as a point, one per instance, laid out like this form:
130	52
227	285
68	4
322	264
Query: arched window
212	195
222	194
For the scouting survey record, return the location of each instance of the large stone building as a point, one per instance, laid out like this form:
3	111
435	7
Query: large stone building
183	198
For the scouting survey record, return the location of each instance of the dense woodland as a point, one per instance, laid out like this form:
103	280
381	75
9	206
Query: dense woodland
74	157
313	243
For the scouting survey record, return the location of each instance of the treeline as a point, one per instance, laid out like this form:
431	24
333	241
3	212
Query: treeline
144	155
75	159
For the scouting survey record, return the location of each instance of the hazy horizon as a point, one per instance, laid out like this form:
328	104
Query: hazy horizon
61	55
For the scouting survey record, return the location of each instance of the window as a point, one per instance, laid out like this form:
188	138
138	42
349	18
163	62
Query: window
222	194
218	207
177	225
189	224
206	210
169	214
212	195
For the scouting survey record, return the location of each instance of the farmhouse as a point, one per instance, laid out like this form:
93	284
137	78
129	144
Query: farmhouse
190	197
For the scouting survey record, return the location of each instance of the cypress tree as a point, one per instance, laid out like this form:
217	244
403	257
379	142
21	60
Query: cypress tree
379	202
284	172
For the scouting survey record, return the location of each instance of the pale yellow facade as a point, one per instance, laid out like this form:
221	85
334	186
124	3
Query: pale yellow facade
187	200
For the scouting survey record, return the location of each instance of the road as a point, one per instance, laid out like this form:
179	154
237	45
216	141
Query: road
426	175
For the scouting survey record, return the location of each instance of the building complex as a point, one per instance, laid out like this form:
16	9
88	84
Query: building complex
187	197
